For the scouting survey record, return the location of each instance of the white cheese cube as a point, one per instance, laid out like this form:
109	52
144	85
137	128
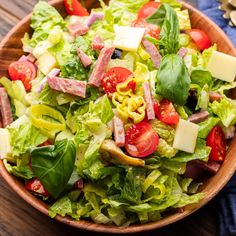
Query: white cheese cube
222	66
186	136
5	146
128	38
46	63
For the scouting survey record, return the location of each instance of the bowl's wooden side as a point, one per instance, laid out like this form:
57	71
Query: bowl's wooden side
10	50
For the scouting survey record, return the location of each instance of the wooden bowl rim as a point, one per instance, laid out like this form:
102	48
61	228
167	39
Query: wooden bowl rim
88	225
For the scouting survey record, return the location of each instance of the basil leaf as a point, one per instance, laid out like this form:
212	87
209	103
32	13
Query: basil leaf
166	18
53	165
173	80
201	77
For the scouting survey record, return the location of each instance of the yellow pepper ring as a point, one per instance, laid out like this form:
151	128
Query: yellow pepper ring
38	111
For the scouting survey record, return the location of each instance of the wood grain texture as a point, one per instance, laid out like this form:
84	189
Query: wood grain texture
19	218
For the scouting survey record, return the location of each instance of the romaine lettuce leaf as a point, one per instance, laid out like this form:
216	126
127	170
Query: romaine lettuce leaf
43	20
206	126
127	9
201	77
24	138
165	150
61	207
225	110
21	171
184	19
201	153
172	3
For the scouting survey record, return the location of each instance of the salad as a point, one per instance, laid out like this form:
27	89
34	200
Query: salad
115	115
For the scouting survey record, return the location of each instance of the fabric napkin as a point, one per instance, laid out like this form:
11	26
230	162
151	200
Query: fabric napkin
210	8
227	198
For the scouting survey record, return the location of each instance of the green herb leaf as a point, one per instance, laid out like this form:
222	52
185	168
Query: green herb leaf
166	18
173	81
53	165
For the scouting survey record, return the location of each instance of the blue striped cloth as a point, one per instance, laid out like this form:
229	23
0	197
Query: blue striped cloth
227	198
210	8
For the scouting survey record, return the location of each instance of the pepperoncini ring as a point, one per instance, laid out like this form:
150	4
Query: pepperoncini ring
47	118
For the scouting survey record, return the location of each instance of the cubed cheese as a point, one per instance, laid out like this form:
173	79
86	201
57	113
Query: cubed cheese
46	63
222	66
5	146
128	38
186	136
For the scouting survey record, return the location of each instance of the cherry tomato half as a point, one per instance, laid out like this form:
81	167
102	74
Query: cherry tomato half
74	7
151	29
216	140
24	71
147	9
166	113
46	143
36	186
141	140
200	38
113	77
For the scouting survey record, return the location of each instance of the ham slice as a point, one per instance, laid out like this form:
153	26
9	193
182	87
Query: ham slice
149	101
182	52
31	58
5	108
119	131
198	117
78	28
153	52
1	125
211	166
100	67
94	16
74	87
214	96
54	72
98	43
85	59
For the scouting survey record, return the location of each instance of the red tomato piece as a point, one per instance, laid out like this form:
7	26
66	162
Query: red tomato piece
46	143
166	112
74	7
147	9
24	71
113	77
132	85
200	38
141	140
156	107
216	140
151	29
36	186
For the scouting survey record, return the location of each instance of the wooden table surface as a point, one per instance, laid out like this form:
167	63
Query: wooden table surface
17	218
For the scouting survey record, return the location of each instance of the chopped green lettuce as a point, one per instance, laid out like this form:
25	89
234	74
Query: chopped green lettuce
225	110
43	20
165	150
201	152
201	77
206	126
15	90
125	10
184	19
24	138
166	132
62	207
21	171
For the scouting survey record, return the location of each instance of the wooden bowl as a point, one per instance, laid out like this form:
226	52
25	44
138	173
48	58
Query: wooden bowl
11	50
